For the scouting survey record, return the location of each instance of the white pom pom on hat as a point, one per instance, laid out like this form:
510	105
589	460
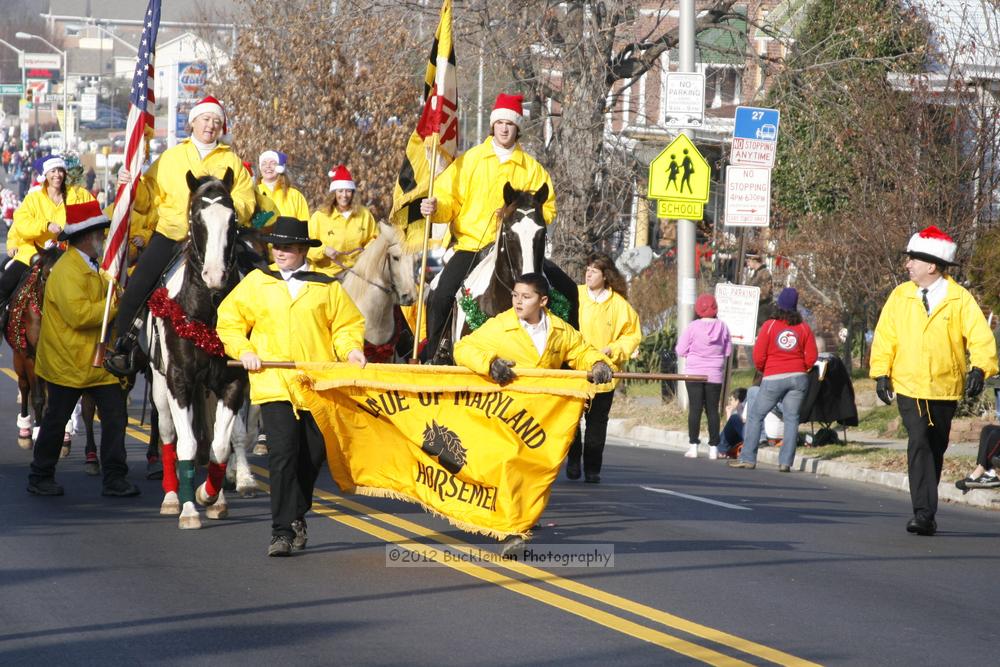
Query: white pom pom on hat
340	179
508	107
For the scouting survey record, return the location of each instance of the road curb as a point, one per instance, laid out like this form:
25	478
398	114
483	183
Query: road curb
649	437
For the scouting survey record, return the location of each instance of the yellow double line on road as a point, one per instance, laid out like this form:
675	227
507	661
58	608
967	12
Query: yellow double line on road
531	580
538	584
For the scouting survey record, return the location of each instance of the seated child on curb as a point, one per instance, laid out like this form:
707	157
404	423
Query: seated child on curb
732	432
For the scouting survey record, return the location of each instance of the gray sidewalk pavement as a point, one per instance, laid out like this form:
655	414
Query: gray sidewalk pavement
635	434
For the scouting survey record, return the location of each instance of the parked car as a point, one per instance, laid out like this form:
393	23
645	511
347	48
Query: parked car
108	118
53	140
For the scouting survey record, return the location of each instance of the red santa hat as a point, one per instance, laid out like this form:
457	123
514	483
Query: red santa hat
83	218
209	105
340	179
932	245
508	107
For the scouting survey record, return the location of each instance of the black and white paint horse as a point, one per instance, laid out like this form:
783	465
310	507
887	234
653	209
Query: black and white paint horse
197	396
519	249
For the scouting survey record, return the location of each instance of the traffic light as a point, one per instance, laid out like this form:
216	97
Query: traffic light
29	95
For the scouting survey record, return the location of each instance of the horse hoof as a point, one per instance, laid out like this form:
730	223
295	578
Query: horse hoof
189	518
203	498
217	511
64	452
260	449
247	488
170	505
24	441
154	470
92	468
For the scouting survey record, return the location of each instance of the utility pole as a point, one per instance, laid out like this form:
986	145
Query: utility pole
686	282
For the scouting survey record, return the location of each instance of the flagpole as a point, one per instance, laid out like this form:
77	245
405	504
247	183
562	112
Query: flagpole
102	343
423	256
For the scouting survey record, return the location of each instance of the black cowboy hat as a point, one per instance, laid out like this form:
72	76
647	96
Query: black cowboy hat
289	230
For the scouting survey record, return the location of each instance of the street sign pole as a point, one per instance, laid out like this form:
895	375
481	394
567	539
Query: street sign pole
686	287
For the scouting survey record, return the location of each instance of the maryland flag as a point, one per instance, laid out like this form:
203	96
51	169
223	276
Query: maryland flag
482	456
439	117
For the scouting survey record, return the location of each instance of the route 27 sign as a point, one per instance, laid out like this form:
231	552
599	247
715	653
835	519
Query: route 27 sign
755	137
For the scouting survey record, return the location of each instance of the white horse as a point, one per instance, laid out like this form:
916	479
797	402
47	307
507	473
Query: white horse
383	276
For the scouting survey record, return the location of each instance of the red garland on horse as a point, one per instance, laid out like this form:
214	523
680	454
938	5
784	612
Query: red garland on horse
203	336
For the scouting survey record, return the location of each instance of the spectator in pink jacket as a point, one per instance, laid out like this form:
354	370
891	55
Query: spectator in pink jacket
706	345
784	352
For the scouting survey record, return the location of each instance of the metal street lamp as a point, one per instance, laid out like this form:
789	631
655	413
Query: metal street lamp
66	118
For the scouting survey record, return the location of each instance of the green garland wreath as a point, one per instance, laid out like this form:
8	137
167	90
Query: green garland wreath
474	316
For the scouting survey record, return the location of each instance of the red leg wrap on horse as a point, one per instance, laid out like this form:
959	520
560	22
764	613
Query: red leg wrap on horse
169	468
216	475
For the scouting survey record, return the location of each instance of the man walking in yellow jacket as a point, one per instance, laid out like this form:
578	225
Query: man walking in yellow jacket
926	328
71	326
289	313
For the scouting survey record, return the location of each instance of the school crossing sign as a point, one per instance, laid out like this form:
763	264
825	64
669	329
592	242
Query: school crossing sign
680	179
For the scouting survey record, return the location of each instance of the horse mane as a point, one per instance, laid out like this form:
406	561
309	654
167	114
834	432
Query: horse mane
368	266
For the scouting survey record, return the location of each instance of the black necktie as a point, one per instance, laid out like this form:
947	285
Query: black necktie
94	263
923	297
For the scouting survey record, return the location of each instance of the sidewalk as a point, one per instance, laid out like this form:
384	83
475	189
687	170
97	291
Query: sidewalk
639	435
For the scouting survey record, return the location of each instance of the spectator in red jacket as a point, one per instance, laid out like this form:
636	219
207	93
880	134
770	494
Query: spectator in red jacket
784	352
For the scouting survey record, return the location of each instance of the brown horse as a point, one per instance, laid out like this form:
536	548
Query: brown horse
23	326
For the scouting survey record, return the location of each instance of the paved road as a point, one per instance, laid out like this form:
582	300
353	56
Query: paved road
711	565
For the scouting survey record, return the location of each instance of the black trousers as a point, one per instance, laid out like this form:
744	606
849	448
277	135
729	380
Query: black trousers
591	446
9	279
110	400
454	272
703	397
989	446
928	427
152	263
443	298
296	452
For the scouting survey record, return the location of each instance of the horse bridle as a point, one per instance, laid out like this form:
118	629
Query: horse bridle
388	261
230	247
506	252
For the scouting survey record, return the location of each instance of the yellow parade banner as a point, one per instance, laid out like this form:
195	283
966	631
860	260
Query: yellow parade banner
459	445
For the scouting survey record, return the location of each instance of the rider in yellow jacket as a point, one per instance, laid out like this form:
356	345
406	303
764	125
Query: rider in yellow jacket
468	195
164	190
342	226
37	221
276	186
289	313
73	309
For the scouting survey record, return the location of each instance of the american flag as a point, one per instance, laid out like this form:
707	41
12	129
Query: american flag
140	125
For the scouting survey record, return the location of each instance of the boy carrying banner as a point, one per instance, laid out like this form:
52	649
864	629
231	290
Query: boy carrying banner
287	313
528	336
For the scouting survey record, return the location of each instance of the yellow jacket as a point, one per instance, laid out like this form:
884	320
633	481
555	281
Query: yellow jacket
925	356
470	191
74	310
32	218
259	315
164	186
503	336
288	202
341	234
613	323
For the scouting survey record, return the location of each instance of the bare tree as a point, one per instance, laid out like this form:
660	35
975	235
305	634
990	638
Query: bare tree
326	87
